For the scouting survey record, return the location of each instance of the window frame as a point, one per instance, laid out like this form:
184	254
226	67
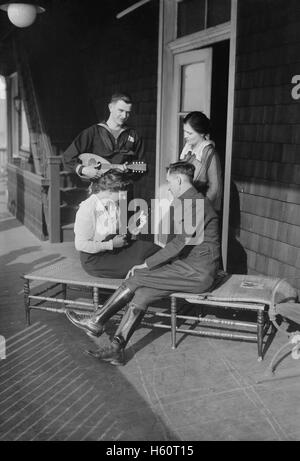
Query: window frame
16	114
23	149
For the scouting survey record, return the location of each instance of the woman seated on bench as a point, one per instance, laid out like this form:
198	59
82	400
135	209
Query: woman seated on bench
103	251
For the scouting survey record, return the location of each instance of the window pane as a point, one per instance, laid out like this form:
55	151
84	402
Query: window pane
218	11
25	141
190	17
192	84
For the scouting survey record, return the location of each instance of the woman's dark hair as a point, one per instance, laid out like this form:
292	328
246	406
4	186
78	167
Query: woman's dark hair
198	121
185	168
112	180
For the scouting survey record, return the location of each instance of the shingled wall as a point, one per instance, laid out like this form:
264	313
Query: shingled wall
77	58
266	148
125	60
82	57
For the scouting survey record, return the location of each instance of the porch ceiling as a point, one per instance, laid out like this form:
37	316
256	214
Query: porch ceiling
78	20
6	55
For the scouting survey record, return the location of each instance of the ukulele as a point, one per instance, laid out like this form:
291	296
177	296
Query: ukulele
104	165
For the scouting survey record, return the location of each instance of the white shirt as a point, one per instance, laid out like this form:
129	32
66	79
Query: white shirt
93	223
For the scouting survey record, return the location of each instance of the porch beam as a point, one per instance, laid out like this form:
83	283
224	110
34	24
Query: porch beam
202	38
132	8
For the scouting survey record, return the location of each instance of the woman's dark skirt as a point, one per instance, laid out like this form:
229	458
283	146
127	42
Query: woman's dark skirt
116	263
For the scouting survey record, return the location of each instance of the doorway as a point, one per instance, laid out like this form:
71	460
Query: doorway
196	80
201	84
219	97
220	36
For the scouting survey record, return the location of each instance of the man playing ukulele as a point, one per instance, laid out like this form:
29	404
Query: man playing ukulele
112	140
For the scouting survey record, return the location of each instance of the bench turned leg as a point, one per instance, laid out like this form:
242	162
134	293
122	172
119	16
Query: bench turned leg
27	301
64	290
96	297
173	321
260	326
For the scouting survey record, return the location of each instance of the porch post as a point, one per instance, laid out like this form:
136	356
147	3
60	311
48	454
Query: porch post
229	136
9	120
54	199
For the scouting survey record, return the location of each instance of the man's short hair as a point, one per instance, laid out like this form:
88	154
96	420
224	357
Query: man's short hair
121	97
185	168
112	181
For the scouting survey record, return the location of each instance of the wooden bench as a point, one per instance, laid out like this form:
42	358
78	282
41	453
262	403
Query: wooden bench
237	292
64	274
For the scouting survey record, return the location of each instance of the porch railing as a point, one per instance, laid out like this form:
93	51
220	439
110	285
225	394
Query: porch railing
53	169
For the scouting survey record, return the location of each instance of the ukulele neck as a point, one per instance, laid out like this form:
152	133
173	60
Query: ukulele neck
104	166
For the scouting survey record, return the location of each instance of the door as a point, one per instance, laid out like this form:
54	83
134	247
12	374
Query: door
191	90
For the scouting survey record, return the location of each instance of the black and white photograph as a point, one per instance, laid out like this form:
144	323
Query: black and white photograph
149	223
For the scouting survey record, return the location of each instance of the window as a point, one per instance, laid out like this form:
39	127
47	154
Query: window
192	88
24	132
193	78
196	15
18	120
218	11
193	96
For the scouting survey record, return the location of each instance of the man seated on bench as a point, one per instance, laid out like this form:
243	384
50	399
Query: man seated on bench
103	251
189	262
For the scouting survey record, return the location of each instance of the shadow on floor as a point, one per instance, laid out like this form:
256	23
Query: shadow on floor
68	396
9	224
26	267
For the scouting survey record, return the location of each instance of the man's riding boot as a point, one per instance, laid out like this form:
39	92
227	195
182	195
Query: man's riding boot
114	352
94	325
129	323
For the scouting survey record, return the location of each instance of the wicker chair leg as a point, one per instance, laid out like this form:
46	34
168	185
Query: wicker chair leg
260	327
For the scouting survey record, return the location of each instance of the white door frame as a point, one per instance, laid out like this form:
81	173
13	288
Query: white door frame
169	46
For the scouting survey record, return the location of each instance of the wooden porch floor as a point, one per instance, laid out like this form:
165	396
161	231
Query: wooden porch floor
50	390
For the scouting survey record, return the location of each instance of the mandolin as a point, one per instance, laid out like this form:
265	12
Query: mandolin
103	165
